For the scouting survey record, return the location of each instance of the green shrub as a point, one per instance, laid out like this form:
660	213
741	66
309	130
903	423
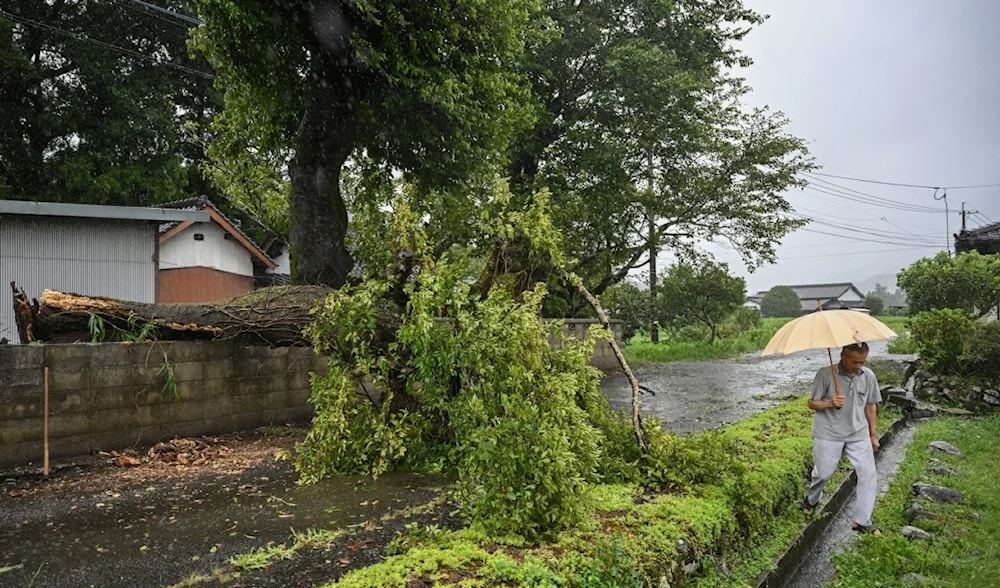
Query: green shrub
611	567
903	344
741	321
681	463
483	394
982	356
693	333
941	336
631	305
780	301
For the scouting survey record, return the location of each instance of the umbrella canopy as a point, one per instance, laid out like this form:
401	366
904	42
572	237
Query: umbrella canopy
827	328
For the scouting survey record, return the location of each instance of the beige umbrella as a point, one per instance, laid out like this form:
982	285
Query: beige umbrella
827	328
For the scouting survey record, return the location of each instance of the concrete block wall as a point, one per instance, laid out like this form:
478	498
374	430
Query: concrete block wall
603	357
110	395
105	396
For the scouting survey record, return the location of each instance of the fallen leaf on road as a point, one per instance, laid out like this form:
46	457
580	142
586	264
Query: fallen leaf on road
126	461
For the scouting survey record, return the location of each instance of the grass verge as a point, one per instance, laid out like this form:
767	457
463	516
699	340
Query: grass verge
719	535
715	536
640	350
674	347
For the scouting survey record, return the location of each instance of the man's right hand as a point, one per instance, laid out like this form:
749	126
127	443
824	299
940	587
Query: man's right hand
838	401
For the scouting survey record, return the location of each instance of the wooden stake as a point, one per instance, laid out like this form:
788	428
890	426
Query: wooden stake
45	426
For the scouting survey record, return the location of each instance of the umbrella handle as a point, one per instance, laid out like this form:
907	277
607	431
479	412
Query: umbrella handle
833	374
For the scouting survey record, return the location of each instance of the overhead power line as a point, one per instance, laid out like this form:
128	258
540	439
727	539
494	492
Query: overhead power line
878	200
983	218
880	204
908	243
177	15
146	12
84	38
904	185
905	238
856	253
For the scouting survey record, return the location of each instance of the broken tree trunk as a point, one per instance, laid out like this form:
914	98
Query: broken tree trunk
602	316
269	316
526	267
23	315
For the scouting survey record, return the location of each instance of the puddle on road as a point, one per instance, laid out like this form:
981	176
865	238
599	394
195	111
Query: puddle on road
149	537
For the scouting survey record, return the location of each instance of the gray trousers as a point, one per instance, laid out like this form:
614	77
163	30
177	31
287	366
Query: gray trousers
826	457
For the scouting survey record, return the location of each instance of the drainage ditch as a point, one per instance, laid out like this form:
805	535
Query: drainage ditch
807	563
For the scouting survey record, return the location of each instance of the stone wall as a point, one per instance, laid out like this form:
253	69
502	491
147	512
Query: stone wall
111	395
978	396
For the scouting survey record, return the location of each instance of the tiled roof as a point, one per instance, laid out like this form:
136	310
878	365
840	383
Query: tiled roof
819	291
196	203
991	231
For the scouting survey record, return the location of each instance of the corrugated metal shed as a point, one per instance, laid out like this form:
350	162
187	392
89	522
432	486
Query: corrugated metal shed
94	250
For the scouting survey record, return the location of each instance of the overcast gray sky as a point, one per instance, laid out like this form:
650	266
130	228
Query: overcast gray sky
894	90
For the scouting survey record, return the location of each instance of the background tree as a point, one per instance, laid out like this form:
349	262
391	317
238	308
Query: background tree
969	282
630	304
642	140
96	102
780	301
874	303
701	290
428	89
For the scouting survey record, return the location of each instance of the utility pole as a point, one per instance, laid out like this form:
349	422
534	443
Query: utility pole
654	248
965	212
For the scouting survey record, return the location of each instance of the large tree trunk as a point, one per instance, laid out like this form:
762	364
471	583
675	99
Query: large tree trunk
269	316
318	211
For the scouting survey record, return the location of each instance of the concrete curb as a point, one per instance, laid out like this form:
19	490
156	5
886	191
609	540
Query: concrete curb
787	563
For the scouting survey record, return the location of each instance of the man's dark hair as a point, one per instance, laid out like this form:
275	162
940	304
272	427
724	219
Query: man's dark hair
855	348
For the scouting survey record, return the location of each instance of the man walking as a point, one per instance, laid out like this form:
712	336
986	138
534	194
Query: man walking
844	399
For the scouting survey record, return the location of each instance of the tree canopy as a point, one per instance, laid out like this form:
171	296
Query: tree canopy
780	301
426	89
627	111
95	100
641	138
875	304
630	304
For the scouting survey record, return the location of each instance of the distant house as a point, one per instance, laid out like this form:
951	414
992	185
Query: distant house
201	263
88	249
985	240
843	295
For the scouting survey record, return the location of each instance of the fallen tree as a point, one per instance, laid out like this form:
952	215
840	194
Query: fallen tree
272	316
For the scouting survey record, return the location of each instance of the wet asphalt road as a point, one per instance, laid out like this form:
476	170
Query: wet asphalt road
696	395
155	535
